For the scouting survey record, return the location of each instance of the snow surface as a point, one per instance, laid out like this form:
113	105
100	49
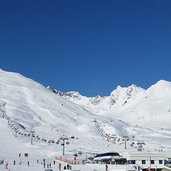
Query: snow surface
147	113
92	124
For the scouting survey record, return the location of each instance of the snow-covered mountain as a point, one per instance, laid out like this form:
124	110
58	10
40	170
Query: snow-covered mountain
92	124
132	104
117	100
147	109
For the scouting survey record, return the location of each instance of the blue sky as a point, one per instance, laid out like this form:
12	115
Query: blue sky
89	46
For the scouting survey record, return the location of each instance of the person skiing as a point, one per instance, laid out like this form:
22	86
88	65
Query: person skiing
68	167
106	167
6	165
59	166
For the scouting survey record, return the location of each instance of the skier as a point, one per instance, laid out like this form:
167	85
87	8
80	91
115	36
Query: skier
44	164
106	167
59	166
68	167
6	165
20	162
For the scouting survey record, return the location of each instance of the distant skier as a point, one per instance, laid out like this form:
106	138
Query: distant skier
59	166
68	167
44	164
106	167
6	165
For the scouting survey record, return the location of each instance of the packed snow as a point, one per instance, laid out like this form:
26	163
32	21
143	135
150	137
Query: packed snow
90	124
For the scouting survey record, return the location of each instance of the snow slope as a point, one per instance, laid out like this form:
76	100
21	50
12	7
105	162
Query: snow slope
26	104
132	104
95	124
147	112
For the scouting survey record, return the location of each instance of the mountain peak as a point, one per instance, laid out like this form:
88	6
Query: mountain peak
163	83
130	88
160	89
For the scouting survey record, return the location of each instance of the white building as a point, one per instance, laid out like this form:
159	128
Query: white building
146	160
101	167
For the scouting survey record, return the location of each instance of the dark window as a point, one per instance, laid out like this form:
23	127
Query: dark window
160	161
152	161
132	162
143	162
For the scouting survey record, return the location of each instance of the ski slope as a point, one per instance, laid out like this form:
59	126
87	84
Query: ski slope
92	124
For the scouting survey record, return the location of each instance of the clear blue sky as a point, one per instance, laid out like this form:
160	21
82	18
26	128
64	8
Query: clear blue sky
87	45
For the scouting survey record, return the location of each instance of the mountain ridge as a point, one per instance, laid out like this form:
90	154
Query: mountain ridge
130	111
125	98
